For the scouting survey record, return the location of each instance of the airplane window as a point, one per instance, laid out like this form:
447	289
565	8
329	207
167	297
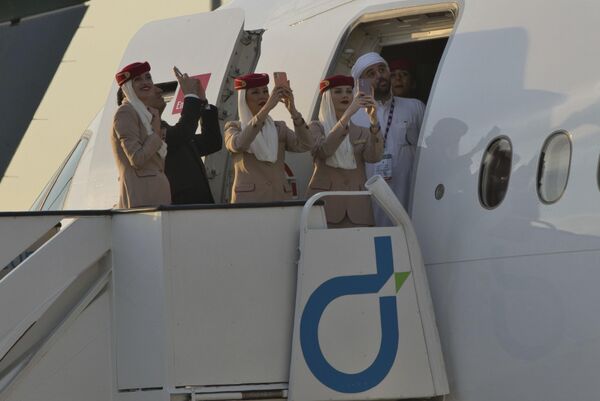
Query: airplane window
495	172
60	184
553	169
37	203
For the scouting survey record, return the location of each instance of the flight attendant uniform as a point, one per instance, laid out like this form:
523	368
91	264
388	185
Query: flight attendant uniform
257	180
138	151
343	211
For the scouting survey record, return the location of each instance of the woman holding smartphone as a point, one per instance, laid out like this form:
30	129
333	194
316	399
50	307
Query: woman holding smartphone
258	144
341	150
138	141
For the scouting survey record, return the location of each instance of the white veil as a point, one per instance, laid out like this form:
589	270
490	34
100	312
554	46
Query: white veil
143	112
266	144
344	154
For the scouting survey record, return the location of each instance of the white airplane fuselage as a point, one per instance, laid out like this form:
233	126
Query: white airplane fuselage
514	286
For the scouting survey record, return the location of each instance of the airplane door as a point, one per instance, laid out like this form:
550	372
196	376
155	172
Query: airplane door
324	29
213	46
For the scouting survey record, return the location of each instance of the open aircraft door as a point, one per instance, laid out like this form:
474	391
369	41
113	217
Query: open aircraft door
213	46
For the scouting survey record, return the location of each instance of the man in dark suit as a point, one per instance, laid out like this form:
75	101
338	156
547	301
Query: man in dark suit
183	165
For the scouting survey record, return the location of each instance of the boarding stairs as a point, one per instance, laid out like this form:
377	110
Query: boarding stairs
218	302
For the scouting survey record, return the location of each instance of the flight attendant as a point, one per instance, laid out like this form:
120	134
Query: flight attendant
341	150
258	144
138	143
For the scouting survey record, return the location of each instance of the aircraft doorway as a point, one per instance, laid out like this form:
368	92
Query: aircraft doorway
425	57
417	35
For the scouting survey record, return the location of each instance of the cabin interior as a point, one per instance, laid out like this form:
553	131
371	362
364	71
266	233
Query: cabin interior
420	38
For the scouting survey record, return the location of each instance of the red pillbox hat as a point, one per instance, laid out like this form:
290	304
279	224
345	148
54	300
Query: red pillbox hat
336	80
401	64
250	81
131	71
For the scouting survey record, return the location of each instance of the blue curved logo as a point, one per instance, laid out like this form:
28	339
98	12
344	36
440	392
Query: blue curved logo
354	285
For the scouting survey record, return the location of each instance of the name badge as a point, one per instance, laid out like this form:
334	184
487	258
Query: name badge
384	167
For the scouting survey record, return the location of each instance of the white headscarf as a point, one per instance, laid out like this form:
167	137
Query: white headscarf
143	112
266	144
344	154
364	62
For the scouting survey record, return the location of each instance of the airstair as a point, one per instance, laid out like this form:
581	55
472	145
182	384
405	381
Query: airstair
218	302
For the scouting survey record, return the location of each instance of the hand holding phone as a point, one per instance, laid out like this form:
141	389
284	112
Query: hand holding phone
178	73
188	84
365	87
280	79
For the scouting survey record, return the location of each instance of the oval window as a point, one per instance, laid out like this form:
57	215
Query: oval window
495	172
553	169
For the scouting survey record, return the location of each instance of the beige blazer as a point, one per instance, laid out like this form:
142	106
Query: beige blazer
259	181
142	181
367	148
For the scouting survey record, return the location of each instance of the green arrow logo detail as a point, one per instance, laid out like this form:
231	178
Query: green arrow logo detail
400	278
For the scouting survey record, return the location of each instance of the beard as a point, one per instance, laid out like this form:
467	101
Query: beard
382	88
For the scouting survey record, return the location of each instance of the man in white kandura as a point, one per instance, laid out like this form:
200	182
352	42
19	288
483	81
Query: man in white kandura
400	119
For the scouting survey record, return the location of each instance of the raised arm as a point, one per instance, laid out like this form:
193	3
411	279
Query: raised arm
326	145
183	132
137	146
238	140
210	140
300	140
373	150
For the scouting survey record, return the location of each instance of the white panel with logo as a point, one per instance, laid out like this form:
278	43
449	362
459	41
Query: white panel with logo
364	325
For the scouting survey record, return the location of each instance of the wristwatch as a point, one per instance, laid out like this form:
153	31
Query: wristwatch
298	118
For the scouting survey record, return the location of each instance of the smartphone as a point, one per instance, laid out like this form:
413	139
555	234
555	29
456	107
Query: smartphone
364	86
280	79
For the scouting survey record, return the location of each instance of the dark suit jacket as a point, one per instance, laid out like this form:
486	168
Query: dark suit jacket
183	164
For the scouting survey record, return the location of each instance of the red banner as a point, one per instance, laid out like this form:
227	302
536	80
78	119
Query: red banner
178	105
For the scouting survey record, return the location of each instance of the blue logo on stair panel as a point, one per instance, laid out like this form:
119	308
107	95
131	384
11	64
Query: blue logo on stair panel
354	285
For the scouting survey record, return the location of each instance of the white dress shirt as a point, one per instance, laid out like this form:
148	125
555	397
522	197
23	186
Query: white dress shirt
401	144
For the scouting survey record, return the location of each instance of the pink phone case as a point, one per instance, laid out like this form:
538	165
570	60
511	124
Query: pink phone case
280	79
364	86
